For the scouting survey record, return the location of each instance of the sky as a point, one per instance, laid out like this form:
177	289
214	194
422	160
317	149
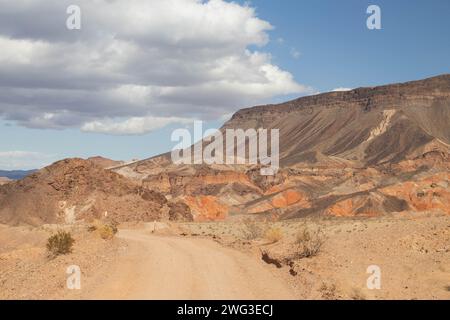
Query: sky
137	70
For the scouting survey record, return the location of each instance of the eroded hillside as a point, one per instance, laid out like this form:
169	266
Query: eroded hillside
369	151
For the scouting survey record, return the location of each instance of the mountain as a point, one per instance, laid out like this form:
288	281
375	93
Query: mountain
367	151
364	152
20	174
15	174
77	189
361	127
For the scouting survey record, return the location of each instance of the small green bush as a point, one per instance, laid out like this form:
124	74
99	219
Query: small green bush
60	243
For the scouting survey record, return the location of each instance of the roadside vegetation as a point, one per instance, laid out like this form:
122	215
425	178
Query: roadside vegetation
252	229
274	234
60	243
106	230
309	242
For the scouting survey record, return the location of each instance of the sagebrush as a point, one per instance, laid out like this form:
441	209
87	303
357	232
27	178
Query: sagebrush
309	242
60	243
106	230
252	229
274	234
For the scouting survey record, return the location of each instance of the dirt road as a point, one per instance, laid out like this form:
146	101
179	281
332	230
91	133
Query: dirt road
160	267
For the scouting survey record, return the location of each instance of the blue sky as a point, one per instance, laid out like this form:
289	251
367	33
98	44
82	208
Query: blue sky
337	49
323	44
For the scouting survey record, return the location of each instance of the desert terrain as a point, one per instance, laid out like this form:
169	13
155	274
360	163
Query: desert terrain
220	260
364	182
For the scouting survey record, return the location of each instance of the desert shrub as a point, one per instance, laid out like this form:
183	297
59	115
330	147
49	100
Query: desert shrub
60	243
252	229
106	230
274	234
309	242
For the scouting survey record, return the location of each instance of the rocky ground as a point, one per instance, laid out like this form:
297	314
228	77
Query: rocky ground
27	271
413	253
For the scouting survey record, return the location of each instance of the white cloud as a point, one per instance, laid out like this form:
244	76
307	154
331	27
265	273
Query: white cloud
20	52
132	126
136	59
341	89
14	160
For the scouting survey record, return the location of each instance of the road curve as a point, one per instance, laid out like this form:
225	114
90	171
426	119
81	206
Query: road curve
161	267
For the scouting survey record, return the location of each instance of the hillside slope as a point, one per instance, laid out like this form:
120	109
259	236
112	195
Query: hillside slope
77	189
361	127
367	151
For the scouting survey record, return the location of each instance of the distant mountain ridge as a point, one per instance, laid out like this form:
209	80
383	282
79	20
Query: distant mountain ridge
20	174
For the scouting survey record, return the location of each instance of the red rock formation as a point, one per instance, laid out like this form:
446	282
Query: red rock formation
206	208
